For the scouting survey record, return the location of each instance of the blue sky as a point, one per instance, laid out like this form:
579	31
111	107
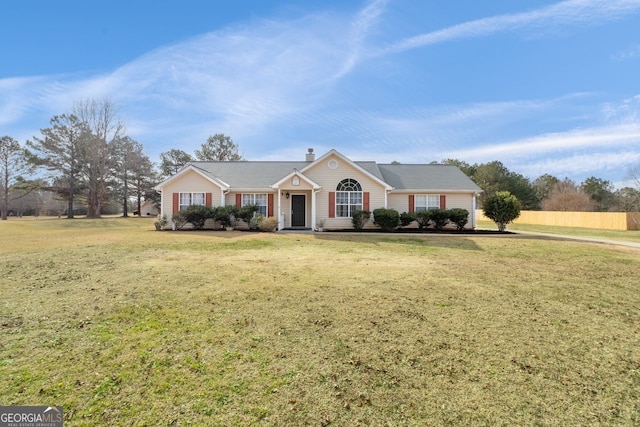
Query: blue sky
542	86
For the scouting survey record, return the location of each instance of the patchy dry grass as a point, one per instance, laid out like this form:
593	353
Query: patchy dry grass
127	326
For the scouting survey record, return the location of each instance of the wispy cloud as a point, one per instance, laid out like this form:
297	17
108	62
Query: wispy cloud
279	84
237	80
359	29
621	135
630	53
571	13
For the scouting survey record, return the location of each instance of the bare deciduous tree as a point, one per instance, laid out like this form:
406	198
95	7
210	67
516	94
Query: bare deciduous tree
101	119
567	196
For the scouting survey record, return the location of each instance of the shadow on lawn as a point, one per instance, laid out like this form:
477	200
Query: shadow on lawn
421	240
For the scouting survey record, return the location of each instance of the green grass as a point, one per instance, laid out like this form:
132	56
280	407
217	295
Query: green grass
123	325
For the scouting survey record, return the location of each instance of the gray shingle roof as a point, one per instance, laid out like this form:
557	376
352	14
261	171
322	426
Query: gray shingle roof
262	174
250	174
428	176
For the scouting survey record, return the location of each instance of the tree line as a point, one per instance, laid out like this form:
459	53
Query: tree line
86	163
548	192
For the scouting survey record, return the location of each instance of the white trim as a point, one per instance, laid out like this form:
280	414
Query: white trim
297	173
350	162
192	168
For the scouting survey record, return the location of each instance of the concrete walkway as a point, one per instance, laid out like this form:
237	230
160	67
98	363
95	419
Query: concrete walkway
580	238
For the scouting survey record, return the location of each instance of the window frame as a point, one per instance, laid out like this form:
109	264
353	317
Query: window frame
422	202
183	206
349	197
251	200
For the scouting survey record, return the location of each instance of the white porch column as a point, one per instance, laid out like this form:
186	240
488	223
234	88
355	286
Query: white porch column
279	210
313	209
473	222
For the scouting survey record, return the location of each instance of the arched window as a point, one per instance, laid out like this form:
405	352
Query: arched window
348	197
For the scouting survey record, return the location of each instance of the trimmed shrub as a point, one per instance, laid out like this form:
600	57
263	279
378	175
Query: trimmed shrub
423	218
179	219
459	217
440	218
197	215
161	223
247	212
406	218
226	215
255	221
386	219
268	224
359	218
501	207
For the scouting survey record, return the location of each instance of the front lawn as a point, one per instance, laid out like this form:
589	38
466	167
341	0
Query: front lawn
123	325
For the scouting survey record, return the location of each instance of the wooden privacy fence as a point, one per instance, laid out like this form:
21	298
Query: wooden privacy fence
602	220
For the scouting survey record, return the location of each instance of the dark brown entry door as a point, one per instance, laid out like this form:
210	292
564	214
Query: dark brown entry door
297	210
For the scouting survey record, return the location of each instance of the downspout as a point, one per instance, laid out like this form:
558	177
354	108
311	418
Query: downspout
224	192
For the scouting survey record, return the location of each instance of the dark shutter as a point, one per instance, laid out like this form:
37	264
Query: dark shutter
332	204
176	202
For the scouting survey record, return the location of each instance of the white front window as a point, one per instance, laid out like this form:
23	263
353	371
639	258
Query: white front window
427	202
259	200
348	197
188	199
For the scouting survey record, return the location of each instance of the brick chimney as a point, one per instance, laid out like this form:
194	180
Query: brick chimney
310	157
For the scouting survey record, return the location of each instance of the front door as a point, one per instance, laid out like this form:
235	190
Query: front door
298	214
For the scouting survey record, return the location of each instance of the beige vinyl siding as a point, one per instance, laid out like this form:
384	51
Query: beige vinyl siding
189	182
328	179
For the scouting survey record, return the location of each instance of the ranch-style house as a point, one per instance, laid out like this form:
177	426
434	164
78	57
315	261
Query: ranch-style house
304	194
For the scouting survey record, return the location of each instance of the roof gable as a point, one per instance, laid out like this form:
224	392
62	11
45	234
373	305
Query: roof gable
368	168
192	168
297	173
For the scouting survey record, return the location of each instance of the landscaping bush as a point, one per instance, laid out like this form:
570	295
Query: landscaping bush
246	212
459	217
197	215
226	216
501	207
359	218
386	219
406	218
179	220
440	218
161	222
254	222
268	224
423	218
